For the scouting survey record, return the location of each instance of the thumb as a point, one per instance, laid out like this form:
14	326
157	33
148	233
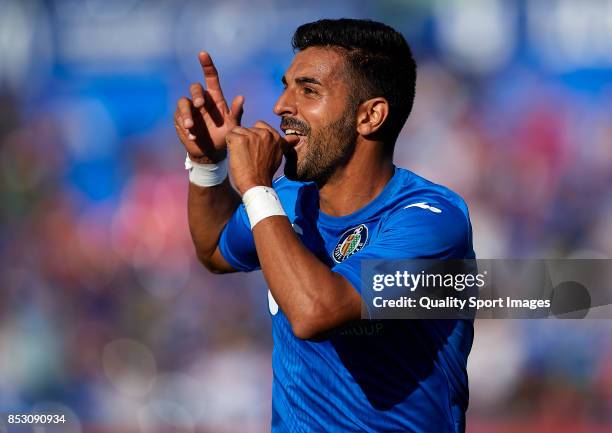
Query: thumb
237	108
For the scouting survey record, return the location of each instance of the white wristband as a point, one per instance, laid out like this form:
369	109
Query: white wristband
206	174
261	202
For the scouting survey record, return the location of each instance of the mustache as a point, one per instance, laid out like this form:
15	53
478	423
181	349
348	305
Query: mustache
291	123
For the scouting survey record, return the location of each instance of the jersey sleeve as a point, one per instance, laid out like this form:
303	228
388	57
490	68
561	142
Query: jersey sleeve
414	233
237	245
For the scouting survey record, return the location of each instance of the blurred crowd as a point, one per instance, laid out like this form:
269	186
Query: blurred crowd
105	314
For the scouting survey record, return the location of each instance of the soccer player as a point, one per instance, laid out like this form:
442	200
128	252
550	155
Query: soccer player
347	94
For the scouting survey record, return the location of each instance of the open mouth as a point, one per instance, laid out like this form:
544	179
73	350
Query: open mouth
294	137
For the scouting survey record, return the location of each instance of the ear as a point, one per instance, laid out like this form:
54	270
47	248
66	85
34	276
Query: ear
371	115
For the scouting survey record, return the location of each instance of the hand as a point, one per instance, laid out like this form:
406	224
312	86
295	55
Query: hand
255	155
203	121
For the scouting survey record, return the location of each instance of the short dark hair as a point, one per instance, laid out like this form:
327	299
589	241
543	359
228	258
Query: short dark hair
379	58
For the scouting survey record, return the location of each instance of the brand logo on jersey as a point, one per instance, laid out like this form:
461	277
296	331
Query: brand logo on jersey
272	305
424	205
350	242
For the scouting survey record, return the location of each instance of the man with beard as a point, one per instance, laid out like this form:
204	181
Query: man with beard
347	94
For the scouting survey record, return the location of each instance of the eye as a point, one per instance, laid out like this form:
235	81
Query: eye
309	91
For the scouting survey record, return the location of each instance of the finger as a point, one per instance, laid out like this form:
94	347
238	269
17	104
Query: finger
212	110
180	123
211	76
237	108
184	107
240	130
263	125
178	120
197	95
262	132
184	133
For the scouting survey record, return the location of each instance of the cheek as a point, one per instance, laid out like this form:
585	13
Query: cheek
319	113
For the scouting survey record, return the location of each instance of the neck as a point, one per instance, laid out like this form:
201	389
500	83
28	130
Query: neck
358	182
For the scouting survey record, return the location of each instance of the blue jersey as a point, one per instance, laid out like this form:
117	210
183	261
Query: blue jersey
371	376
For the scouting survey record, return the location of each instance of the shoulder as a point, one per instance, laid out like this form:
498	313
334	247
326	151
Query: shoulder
418	197
430	215
416	189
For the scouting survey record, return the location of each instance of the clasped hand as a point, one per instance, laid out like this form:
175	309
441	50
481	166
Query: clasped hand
255	155
207	127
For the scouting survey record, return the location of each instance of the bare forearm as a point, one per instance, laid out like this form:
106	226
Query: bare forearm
313	298
209	209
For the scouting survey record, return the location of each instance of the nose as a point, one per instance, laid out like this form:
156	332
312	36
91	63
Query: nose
285	105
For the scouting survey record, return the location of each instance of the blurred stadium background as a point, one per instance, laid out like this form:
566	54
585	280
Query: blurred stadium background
105	314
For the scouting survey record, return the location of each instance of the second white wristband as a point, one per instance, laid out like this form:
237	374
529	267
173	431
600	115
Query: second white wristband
261	202
206	175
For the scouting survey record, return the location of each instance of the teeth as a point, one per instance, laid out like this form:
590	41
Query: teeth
291	132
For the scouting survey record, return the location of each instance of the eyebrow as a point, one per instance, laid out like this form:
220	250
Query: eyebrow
302	80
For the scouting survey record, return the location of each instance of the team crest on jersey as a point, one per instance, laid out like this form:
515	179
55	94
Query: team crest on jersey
350	242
